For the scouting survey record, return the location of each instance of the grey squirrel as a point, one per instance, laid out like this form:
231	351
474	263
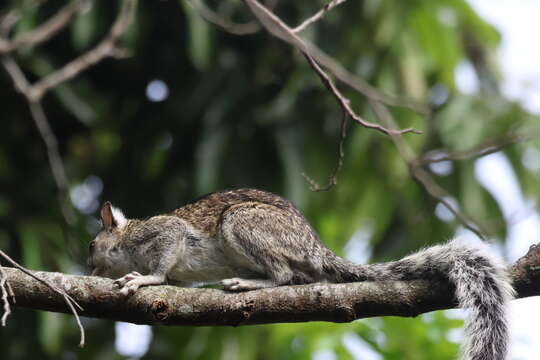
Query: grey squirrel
250	239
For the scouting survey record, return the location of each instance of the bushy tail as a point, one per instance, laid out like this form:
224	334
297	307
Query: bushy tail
481	282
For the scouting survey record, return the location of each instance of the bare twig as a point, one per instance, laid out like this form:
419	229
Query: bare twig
68	299
422	176
34	93
46	133
106	48
363	87
55	160
486	148
213	17
6	290
275	26
348	112
278	28
345	103
332	180
319	15
7	21
46	30
19	80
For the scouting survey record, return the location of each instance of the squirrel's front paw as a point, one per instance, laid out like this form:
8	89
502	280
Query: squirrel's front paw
128	283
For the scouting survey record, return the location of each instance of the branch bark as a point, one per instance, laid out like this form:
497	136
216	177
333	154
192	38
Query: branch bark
170	305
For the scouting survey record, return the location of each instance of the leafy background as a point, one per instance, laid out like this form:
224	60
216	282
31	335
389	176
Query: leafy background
247	111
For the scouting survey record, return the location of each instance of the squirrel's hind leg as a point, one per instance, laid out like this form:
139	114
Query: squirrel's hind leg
238	284
261	239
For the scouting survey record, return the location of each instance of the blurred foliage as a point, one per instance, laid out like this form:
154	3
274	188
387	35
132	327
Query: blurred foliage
247	111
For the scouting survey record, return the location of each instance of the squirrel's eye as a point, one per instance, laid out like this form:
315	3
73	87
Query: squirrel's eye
92	246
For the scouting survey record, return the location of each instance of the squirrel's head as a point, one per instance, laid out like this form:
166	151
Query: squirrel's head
105	255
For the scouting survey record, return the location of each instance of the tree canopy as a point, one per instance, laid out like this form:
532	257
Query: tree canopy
190	97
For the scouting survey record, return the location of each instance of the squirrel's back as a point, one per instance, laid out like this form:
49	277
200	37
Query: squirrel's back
206	212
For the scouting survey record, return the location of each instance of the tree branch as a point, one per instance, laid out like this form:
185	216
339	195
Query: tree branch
228	25
170	305
424	177
319	15
35	92
488	147
345	103
53	155
45	31
106	48
276	27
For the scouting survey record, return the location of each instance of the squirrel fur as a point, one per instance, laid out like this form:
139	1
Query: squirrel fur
250	239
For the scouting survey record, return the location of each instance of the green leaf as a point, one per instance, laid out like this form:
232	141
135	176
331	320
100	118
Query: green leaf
85	26
51	331
199	41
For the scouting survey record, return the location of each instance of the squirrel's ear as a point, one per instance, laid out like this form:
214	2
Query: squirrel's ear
107	218
112	217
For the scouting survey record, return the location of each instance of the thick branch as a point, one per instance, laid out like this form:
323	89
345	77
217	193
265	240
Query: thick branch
170	305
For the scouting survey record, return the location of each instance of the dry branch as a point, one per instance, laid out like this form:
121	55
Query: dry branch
346	105
34	92
229	26
45	31
106	48
40	119
170	305
488	147
422	176
319	15
275	26
332	179
5	287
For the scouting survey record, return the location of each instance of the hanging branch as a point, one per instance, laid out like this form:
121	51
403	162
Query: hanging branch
68	300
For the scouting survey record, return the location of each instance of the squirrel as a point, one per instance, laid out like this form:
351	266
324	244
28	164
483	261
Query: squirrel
250	239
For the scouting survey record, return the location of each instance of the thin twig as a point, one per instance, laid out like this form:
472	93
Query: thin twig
106	48
332	179
16	74
46	30
436	191
486	148
45	282
422	176
319	15
55	160
69	300
345	103
7	21
5	293
276	27
213	17
46	133
35	92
